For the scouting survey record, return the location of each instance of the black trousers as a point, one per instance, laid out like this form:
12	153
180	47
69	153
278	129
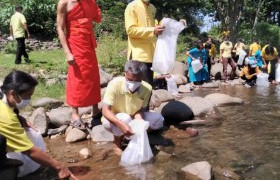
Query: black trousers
149	74
209	65
272	68
21	51
3	144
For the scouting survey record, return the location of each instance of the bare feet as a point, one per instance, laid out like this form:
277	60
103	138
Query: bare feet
192	132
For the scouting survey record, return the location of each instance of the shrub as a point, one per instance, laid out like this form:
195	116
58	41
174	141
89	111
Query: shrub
10	47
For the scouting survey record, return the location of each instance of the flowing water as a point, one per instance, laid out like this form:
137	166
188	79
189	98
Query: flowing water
247	141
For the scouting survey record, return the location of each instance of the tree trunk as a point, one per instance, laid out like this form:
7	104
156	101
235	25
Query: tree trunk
257	17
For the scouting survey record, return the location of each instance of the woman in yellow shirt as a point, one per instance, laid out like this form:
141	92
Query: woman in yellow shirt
226	58
269	54
16	92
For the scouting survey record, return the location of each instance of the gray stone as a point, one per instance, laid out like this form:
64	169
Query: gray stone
184	88
105	77
85	110
219	99
159	96
198	105
57	130
52	81
214	84
60	116
100	134
85	153
75	135
218	69
47	103
39	120
180	79
197	171
180	68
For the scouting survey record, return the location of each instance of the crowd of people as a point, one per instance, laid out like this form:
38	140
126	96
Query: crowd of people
250	63
127	97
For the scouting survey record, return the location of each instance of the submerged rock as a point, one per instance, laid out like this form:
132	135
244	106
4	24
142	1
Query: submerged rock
198	105
85	153
184	88
39	120
228	173
219	99
100	134
75	135
47	103
196	171
162	156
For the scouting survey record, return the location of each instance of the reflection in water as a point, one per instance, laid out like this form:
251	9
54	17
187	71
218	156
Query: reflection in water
138	171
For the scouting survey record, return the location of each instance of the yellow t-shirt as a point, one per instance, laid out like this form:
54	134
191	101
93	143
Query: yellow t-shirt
10	127
122	100
227	48
269	57
17	22
254	48
139	24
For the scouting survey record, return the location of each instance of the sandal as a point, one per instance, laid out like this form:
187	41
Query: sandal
79	124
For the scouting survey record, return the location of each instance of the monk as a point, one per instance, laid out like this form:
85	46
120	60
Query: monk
75	31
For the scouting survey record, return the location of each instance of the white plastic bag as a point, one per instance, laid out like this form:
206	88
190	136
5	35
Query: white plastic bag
29	165
138	150
277	74
196	65
171	85
262	80
165	52
241	57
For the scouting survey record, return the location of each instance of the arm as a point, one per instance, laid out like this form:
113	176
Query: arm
98	16
61	15
26	29
264	63
43	158
188	53
11	31
221	55
110	116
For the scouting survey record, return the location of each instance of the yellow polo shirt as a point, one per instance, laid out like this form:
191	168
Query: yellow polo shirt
17	22
139	24
10	127
269	57
226	49
122	100
254	48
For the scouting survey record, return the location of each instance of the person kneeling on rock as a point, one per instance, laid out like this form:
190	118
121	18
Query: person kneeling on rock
16	135
127	98
250	72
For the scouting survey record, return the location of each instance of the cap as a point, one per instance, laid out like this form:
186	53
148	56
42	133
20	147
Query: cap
252	63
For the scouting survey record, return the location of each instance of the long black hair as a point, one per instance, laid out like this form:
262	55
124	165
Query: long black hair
18	81
269	50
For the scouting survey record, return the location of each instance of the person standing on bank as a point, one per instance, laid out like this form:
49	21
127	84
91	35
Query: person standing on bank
142	29
18	26
75	31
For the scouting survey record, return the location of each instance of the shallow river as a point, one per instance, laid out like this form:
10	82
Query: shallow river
246	141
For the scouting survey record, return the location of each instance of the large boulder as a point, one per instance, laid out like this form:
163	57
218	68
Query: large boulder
219	99
180	79
75	135
60	116
196	171
39	120
47	103
180	68
159	96
198	105
105	77
217	70
100	134
175	112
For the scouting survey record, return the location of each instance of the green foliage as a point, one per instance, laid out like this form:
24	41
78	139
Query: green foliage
10	47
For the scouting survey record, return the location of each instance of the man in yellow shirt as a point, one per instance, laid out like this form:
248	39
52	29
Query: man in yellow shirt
127	98
141	28
254	47
18	26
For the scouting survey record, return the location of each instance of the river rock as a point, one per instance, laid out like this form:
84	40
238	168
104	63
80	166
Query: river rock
39	120
219	99
57	130
85	153
180	68
159	96
214	84
197	171
184	88
47	103
227	173
105	77
60	116
198	105
217	70
85	110
180	79
162	157
100	134
75	135
175	112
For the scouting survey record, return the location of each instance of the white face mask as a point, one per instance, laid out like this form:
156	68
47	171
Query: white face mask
23	103
132	85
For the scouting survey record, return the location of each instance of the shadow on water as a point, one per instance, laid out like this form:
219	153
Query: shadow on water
246	140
